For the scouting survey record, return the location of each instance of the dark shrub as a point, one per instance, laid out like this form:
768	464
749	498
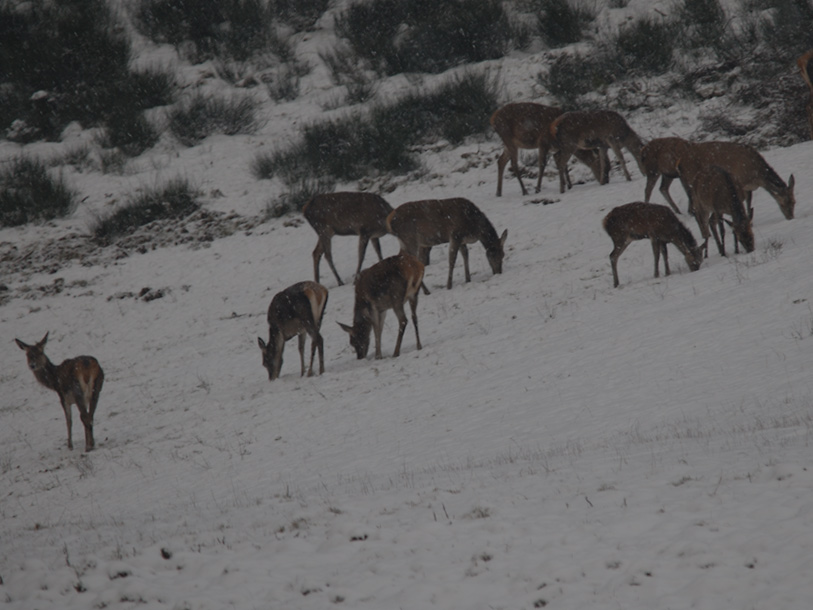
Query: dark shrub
174	200
202	115
358	144
301	14
789	32
703	23
645	46
425	35
562	22
28	192
573	75
233	28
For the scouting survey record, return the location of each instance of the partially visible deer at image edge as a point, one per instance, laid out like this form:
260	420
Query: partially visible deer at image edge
77	381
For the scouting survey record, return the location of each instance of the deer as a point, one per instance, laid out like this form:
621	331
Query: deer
714	192
294	312
748	169
386	285
598	129
640	220
77	381
346	213
419	225
659	157
526	125
804	67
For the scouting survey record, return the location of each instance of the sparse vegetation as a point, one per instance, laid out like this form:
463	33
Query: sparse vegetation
380	140
425	35
69	61
645	46
29	193
562	22
201	115
175	199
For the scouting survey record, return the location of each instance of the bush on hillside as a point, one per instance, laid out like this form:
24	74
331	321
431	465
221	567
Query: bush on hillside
175	199
202	115
425	35
203	29
645	46
562	22
29	192
358	144
69	61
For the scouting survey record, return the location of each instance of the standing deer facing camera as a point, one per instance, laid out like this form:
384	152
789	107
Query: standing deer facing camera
346	213
77	381
386	285
294	312
526	125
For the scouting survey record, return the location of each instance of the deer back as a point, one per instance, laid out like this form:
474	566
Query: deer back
639	220
660	156
347	213
524	124
392	280
299	307
434	221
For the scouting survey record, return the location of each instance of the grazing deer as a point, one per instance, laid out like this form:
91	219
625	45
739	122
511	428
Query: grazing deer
526	125
419	225
296	311
714	192
659	157
386	285
639	220
77	381
599	129
346	213
804	67
747	168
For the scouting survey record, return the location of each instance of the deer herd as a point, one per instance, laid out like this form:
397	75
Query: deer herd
718	177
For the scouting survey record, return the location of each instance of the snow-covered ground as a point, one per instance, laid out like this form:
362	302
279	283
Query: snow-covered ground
557	442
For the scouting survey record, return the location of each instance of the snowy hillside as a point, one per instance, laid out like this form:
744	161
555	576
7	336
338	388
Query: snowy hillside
556	443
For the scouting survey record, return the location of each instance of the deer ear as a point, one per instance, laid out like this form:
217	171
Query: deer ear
345	328
791	182
43	341
21	344
261	343
503	237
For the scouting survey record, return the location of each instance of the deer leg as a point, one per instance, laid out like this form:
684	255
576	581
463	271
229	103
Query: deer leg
665	258
651	179
378	323
377	247
514	153
423	254
702	224
66	408
402	323
317	255
543	161
363	239
656	252
300	340
748	196
619	154
453	248
618	249
666	182
326	247
413	304
714	222
561	160
87	422
317	343
501	162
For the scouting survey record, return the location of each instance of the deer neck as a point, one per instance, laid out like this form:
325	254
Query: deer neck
48	376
